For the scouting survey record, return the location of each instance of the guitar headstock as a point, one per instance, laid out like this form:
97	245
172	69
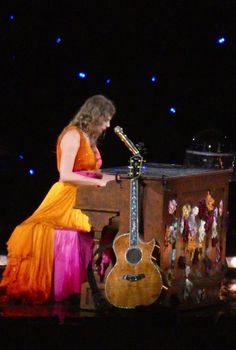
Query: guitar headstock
135	166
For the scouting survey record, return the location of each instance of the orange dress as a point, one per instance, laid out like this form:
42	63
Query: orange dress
29	271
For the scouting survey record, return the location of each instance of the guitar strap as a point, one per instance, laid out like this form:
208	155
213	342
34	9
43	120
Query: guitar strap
99	299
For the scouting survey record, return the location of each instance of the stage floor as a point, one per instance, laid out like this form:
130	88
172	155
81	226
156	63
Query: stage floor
64	325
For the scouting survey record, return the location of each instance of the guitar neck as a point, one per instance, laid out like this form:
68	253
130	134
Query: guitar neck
134	220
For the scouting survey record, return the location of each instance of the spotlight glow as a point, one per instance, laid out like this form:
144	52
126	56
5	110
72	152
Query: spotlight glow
221	40
81	75
233	261
232	287
31	172
153	78
172	110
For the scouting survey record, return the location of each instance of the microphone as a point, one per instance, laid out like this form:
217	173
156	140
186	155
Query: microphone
119	131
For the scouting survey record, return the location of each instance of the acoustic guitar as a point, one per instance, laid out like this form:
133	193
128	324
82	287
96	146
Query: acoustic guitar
134	280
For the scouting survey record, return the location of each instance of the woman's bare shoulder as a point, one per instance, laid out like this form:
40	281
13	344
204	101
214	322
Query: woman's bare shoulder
71	135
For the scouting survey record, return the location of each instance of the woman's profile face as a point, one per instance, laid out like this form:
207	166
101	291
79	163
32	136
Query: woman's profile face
105	124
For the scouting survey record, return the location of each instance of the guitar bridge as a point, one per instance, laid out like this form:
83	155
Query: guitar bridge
134	278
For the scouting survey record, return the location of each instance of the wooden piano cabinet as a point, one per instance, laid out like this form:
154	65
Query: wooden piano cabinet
185	210
102	204
191	259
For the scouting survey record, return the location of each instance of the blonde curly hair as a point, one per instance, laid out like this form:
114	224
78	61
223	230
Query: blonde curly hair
92	114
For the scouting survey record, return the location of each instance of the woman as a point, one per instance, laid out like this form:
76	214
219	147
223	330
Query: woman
28	276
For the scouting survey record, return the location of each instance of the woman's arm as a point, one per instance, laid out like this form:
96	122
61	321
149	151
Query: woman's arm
70	144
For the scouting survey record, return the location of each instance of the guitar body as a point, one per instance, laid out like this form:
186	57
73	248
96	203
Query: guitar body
134	280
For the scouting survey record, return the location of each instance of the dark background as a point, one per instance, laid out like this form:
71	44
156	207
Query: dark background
128	42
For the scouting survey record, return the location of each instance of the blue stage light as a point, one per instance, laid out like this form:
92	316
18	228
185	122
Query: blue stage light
221	40
31	172
153	78
81	75
172	110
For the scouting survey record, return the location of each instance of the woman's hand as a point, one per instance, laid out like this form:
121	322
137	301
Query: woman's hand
105	179
108	177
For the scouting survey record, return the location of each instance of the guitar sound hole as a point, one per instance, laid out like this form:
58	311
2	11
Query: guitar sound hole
133	255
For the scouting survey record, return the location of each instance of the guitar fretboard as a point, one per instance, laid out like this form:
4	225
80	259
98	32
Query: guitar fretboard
134	222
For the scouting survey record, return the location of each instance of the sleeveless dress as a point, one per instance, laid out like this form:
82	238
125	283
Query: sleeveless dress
28	275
